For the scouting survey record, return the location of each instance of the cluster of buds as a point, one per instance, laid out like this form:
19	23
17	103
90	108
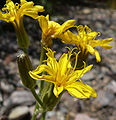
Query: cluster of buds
62	75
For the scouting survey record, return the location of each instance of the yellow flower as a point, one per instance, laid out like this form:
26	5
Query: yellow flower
85	41
14	13
63	76
51	29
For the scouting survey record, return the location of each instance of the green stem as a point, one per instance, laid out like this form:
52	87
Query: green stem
22	37
25	50
43	116
43	56
36	97
34	116
35	112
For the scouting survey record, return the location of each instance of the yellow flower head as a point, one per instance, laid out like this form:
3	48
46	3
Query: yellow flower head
14	12
51	29
63	76
85	40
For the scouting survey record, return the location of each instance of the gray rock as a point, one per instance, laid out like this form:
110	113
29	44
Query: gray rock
18	113
113	69
86	11
60	115
112	86
20	97
88	76
6	87
13	67
105	70
17	98
1	98
112	118
31	109
50	114
99	25
63	110
104	98
35	62
83	116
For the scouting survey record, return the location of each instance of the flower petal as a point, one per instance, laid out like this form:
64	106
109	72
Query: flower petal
69	38
43	68
68	24
26	6
43	77
92	35
23	1
57	90
81	90
108	40
3	17
90	49
78	74
103	43
83	71
47	17
33	12
97	56
64	64
43	23
106	46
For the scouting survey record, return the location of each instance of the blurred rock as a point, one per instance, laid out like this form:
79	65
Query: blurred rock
68	102
113	68
86	11
12	67
55	115
112	86
50	114
35	62
112	118
104	98
83	116
6	87
8	59
4	117
19	113
60	115
105	70
99	25
31	109
20	97
113	105
88	76
63	110
1	99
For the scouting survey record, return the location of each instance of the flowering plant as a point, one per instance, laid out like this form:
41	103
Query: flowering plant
62	75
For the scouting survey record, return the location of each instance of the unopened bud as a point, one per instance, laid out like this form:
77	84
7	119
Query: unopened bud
24	66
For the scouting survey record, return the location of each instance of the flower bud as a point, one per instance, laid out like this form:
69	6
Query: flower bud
24	66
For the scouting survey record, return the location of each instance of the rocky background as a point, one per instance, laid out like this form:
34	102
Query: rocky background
17	103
